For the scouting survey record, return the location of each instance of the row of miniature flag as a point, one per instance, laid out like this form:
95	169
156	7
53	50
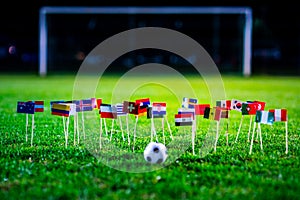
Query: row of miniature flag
185	115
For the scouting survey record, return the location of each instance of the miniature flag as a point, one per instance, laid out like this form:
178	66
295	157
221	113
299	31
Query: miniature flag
108	111
187	111
142	105
236	105
189	102
212	113
150	115
99	102
72	109
280	115
249	108
224	113
260	105
120	111
84	105
183	119
224	104
60	109
159	109
264	117
199	108
25	107
94	102
130	107
38	106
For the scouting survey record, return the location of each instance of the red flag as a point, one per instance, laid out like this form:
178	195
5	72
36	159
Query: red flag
280	115
199	108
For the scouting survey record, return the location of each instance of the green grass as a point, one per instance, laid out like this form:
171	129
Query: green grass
48	170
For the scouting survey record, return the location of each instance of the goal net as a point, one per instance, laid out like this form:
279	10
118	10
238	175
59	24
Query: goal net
68	34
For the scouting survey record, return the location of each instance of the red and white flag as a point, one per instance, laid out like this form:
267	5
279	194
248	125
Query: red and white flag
280	115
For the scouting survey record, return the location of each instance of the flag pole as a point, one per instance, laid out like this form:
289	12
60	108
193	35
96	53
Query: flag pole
193	136
32	127
127	128
112	128
217	136
227	132
240	126
26	124
63	118
67	132
249	128
163	130
106	132
260	137
286	137
74	129
121	127
83	128
78	133
253	131
169	127
152	130
134	133
100	135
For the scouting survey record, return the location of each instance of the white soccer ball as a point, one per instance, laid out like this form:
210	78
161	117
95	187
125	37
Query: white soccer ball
155	153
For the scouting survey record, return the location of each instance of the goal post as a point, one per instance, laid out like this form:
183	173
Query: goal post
52	10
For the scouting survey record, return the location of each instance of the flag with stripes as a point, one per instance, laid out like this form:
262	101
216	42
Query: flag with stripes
108	111
120	111
213	113
61	109
224	104
183	119
187	111
188	102
264	117
280	115
159	108
38	106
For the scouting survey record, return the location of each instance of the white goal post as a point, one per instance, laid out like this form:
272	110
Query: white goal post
247	29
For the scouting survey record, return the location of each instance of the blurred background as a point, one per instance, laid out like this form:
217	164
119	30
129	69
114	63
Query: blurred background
275	36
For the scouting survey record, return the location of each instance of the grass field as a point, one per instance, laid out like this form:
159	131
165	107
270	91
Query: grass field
49	170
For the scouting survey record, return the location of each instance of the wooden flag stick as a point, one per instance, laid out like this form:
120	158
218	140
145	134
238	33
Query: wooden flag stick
286	137
112	129
253	131
67	131
74	128
100	134
249	130
78	133
26	124
127	128
134	131
217	136
121	127
193	136
83	128
239	130
105	127
163	130
32	127
260	137
63	118
169	127
227	133
152	131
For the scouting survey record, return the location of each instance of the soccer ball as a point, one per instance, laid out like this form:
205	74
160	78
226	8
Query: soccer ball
155	153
